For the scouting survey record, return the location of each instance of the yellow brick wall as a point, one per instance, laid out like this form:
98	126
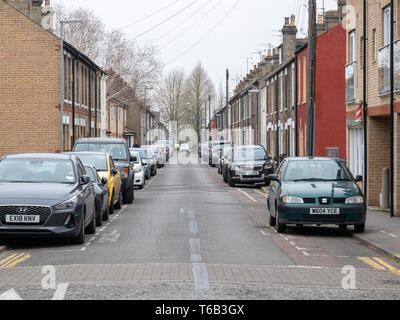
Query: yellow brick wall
29	85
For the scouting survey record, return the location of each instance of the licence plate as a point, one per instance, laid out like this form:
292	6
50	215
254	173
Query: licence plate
22	219
326	211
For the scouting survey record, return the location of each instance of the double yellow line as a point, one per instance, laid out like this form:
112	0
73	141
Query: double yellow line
13	260
379	264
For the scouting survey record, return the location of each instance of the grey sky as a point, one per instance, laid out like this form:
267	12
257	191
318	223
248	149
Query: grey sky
250	27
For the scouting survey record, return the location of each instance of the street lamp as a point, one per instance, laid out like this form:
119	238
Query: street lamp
62	22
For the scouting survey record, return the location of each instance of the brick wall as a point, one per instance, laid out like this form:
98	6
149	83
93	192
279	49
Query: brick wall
29	85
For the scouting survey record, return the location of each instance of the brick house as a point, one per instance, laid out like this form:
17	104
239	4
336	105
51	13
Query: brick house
378	95
330	108
30	84
262	111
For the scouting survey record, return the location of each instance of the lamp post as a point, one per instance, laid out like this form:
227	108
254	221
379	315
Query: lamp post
62	22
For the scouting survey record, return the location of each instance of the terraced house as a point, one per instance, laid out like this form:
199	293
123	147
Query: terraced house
30	84
377	86
263	107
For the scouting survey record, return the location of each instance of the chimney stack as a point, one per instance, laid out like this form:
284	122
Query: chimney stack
331	19
289	33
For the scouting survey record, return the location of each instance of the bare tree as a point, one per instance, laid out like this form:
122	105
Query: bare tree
87	35
220	97
197	90
170	96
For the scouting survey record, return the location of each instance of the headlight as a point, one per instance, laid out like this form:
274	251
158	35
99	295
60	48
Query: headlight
138	170
267	166
355	200
235	168
292	199
69	204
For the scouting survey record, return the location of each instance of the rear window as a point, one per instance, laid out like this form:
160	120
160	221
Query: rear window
99	162
117	150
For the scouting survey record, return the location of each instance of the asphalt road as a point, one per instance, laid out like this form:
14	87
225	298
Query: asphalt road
190	236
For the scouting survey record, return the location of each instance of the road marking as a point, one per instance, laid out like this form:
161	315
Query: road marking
382	231
195	255
10	295
60	292
392	235
306	254
387	265
262	193
371	263
14	259
247	195
200	275
193	227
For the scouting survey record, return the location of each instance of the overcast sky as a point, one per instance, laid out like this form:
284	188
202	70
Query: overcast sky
221	33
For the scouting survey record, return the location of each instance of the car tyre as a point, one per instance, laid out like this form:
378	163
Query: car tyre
99	217
280	227
80	238
128	196
91	228
230	181
359	228
118	205
106	215
342	226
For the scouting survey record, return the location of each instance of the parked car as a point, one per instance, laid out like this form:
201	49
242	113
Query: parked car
151	168
119	151
222	157
105	167
169	146
154	152
102	195
46	195
140	170
215	152
184	148
247	165
315	191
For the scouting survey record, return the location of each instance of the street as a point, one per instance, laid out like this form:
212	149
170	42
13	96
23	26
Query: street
190	236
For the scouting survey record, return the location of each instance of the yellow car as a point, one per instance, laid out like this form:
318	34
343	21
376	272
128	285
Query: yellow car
104	165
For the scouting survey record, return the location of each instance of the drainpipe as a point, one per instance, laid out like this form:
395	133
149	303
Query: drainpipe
391	108
90	102
73	100
277	119
296	111
365	105
95	105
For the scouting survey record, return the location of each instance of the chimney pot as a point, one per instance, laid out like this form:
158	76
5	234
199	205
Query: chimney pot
293	20
320	19
286	20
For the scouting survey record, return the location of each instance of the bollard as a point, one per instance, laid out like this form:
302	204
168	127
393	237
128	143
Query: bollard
385	189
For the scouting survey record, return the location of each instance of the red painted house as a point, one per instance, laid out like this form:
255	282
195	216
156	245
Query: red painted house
330	110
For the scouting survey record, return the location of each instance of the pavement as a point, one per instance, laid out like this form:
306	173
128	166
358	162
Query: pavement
382	233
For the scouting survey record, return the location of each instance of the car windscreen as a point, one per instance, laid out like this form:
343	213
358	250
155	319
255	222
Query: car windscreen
92	174
316	170
250	154
37	171
142	153
117	150
136	155
99	162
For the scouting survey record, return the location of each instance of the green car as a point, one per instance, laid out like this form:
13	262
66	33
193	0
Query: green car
315	191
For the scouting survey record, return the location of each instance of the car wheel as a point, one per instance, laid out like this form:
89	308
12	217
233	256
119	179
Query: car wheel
280	227
230	181
106	215
91	228
141	187
80	238
359	228
118	205
128	196
111	208
267	183
342	226
99	217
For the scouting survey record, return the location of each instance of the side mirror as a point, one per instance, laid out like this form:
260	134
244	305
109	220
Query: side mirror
144	162
85	180
273	177
359	179
133	159
114	172
104	181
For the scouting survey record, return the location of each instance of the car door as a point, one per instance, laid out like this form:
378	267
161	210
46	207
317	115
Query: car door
87	192
117	178
274	189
